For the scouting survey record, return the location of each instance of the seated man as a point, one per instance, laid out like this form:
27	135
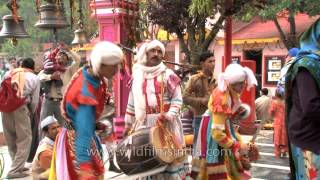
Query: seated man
42	160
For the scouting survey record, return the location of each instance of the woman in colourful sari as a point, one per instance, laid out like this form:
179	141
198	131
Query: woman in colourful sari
303	106
219	145
77	151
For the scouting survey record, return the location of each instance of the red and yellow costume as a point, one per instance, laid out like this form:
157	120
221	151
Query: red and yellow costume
218	140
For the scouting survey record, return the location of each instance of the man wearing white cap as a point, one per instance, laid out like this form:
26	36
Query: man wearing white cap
155	94
42	160
82	105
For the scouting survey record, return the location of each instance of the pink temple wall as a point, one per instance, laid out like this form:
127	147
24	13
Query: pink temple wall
112	28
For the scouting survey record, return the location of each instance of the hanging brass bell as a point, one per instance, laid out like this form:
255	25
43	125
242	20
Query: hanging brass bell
13	29
51	17
79	37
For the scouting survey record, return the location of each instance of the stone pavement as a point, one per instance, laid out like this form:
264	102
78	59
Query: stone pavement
6	157
267	167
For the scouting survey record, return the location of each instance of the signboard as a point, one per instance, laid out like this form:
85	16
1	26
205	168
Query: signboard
273	65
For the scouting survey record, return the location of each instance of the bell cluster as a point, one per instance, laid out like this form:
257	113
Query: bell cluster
51	17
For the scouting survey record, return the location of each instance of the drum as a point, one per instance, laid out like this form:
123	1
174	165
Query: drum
253	153
167	147
135	154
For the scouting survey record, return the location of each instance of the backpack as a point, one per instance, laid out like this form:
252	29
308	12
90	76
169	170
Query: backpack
9	100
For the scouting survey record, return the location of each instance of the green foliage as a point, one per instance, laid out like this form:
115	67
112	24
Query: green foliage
269	12
201	7
191	16
90	23
228	7
142	23
174	17
310	6
23	49
245	10
285	9
274	7
25	46
171	15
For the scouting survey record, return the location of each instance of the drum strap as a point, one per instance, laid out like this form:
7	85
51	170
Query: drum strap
161	94
159	97
159	91
145	93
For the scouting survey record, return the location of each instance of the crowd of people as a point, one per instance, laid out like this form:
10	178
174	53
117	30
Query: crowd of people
294	108
64	101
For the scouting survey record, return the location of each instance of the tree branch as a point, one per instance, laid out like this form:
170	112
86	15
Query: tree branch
202	32
193	43
183	45
214	31
282	34
293	34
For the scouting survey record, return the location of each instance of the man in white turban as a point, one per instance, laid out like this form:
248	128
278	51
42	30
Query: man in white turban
82	105
155	94
217	122
42	160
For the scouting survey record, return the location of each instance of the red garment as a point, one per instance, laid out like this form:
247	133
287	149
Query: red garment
277	111
80	91
9	100
52	57
11	90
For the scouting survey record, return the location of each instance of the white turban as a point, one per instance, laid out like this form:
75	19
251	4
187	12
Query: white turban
236	73
47	121
105	53
142	53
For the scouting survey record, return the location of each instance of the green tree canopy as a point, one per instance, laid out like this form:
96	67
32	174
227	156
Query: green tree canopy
189	17
287	9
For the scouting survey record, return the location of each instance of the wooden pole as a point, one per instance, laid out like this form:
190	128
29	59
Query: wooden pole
227	37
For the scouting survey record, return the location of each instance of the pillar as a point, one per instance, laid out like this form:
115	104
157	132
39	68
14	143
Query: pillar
227	37
114	18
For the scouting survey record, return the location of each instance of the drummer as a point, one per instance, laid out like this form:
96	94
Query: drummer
145	99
